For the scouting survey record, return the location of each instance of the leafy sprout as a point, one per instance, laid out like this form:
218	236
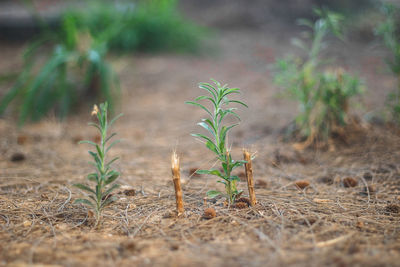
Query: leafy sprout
104	177
217	131
322	96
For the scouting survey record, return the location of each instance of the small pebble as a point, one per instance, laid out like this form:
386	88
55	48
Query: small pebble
209	213
302	184
350	182
261	184
17	157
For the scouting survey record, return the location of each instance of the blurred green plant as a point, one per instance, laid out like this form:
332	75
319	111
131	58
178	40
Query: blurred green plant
217	139
322	96
152	25
100	197
57	79
390	32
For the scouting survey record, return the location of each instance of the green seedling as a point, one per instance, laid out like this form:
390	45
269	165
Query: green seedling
100	196
322	96
216	140
389	30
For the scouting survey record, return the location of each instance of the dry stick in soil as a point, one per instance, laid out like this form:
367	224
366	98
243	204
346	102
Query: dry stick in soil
176	177
249	177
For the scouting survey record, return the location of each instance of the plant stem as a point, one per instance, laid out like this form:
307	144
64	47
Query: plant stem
249	176
176	177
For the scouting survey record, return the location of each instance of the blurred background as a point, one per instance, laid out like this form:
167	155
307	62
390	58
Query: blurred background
57	55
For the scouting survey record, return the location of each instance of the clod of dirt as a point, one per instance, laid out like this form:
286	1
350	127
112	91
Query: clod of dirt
392	208
325	180
17	157
360	225
21	139
128	246
244	200
350	182
209	213
370	188
193	173
241	205
174	246
261	184
302	184
129	192
368	176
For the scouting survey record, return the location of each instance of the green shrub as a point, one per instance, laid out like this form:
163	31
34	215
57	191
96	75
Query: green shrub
322	96
390	32
74	71
216	141
154	25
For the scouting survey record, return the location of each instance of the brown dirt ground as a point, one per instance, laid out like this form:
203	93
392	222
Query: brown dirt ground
325	224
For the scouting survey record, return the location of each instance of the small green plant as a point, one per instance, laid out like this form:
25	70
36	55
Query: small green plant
390	31
57	79
100	196
216	141
322	96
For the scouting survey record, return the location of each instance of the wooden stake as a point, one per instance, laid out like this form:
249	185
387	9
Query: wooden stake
249	176
176	177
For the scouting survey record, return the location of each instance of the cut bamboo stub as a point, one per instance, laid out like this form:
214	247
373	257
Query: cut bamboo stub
176	177
249	177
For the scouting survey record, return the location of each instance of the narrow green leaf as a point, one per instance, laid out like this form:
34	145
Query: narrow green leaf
206	138
111	136
111	161
222	182
115	118
223	135
112	178
84	188
99	152
199	105
87	142
207	127
93	177
212	172
206	97
112	144
238	102
84	201
96	158
210	145
209	88
230	91
94	125
213	193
